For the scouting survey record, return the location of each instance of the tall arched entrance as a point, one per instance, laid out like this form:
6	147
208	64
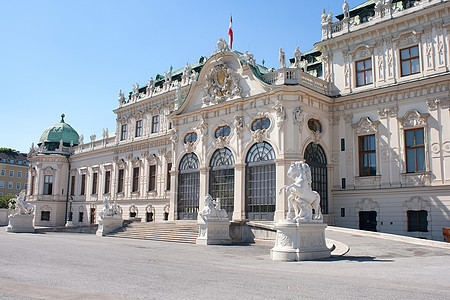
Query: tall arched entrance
188	187
221	179
317	160
260	182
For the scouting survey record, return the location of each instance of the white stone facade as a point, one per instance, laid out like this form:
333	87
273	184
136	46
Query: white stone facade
366	94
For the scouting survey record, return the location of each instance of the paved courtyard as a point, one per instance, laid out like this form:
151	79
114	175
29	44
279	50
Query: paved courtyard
82	266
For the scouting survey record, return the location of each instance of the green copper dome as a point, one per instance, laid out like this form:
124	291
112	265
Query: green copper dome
60	131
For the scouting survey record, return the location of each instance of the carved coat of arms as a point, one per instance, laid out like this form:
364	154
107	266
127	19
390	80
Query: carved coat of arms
221	83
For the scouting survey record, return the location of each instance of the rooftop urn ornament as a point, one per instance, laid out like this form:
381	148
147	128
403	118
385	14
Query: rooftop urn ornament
297	57
345	9
282	58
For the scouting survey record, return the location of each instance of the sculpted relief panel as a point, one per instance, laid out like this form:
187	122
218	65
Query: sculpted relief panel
222	83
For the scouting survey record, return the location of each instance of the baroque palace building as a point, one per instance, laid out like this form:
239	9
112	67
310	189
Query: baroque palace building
367	109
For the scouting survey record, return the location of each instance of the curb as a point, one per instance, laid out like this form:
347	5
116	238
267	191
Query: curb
392	237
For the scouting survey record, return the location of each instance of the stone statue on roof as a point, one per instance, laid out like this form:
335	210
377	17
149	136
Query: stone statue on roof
168	76
282	58
345	9
324	17
330	17
297	57
150	86
121	97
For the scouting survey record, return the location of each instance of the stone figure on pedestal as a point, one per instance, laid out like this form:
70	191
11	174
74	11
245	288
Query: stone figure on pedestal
324	17
109	218
22	220
282	58
214	225
302	199
301	236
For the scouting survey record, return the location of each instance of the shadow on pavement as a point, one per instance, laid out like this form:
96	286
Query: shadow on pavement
357	258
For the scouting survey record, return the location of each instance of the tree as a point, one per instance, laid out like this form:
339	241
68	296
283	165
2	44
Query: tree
5	200
9	150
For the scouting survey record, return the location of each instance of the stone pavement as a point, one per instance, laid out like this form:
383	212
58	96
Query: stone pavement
84	266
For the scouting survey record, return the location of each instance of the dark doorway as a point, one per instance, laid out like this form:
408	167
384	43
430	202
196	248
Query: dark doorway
149	217
92	215
368	220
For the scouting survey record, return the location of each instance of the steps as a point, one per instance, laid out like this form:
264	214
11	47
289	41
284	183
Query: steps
178	232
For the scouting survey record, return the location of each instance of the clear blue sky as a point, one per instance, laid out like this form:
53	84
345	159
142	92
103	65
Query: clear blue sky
73	57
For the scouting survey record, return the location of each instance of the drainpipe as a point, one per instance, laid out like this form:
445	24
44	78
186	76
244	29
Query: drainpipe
67	196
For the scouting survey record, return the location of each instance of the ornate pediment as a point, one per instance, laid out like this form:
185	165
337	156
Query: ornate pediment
365	125
413	118
221	83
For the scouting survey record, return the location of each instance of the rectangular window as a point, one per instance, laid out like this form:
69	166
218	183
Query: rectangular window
139	128
415	150
135	187
45	215
367	160
26	175
19	174
417	220
120	181
3	172
344	183
155	124
48	184
18	185
83	185
11	173
107	182
409	61
342	144
25	186
80	217
94	183
72	185
2	184
123	134
152	179
342	211
169	167
10	185
364	72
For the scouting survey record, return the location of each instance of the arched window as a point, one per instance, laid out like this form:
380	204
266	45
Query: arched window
261	123
221	179
314	125
222	131
188	187
191	137
260	182
316	159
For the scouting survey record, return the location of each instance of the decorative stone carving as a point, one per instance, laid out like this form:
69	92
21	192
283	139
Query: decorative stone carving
214	224
365	125
280	112
22	220
221	142
109	218
302	199
282	58
416	203
221	83
173	135
297	117
297	57
248	58
345	9
222	45
121	98
433	104
202	128
238	125
407	39
323	17
413	118
363	52
259	135
367	204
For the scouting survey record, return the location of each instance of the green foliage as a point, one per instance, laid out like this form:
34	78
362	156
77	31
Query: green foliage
9	150
5	200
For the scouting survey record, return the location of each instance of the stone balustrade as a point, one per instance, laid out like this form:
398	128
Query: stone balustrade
330	30
297	76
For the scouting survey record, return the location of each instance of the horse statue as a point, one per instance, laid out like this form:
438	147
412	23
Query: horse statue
23	207
302	199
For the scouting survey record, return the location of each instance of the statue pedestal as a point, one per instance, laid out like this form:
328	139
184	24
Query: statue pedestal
108	224
20	223
214	232
299	241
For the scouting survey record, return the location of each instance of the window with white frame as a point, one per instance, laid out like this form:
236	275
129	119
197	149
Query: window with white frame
409	61
19	174
11	173
415	150
10	185
2	184
18	185
3	173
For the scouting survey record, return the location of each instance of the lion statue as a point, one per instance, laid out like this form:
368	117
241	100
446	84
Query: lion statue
302	199
222	45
